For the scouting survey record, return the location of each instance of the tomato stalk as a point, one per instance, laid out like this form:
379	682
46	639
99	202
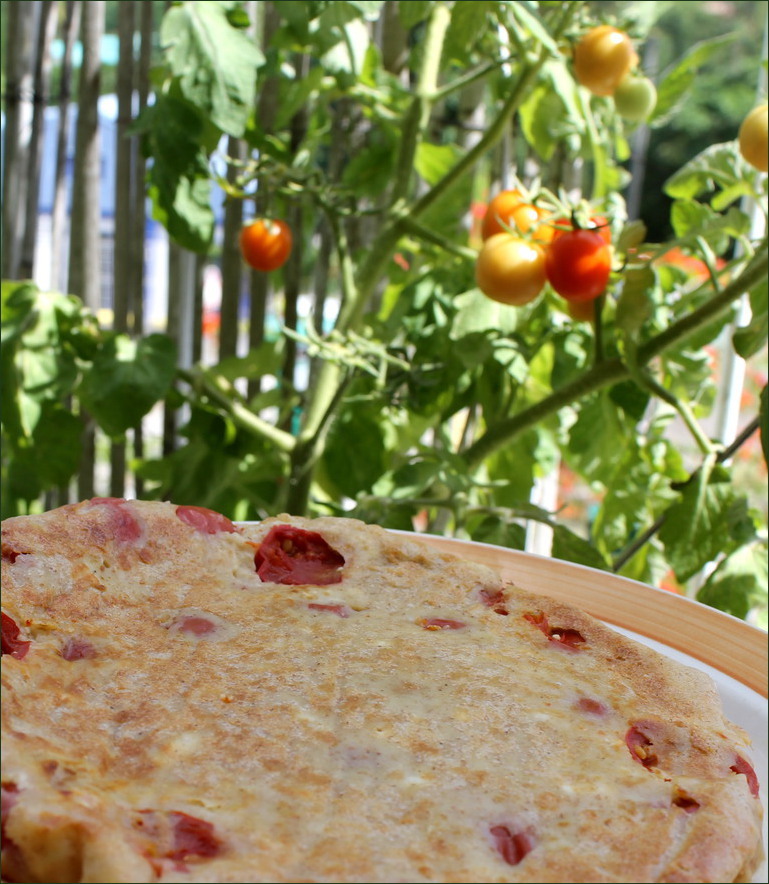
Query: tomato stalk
645	380
598	154
222	393
598	351
360	286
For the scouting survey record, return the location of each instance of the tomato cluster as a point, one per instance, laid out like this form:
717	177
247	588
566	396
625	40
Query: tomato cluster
605	63
524	248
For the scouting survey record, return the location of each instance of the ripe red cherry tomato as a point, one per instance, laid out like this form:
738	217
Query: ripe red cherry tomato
578	264
265	244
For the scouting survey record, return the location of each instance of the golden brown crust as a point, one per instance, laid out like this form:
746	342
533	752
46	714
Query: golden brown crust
175	717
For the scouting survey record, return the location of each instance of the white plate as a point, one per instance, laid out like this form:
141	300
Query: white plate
744	707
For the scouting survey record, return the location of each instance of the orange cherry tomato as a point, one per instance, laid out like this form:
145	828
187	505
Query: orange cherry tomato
602	59
266	244
499	211
753	140
510	269
527	219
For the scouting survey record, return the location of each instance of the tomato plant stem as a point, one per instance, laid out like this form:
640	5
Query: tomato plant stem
220	392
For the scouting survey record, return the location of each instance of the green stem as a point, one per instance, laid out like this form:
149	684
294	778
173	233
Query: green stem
465	80
597	152
220	391
645	380
410	225
599	354
418	115
710	261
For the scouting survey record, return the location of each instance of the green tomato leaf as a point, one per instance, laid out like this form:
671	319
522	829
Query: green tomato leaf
596	439
370	170
413	12
676	83
497	530
718	166
187	216
692	220
763	417
572	548
433	161
635	306
631	398
711	518
351	469
348	55
739	583
468	22
265	359
295	94
57	445
540	114
126	379
215	61
477	313
51	458
730	594
18	302
179	183
11	417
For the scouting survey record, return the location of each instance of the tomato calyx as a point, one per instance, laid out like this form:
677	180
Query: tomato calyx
579	221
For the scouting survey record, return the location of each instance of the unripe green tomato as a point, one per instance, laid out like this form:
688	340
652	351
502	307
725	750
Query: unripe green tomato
635	98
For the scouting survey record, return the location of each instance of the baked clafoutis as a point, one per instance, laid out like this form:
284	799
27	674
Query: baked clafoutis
187	699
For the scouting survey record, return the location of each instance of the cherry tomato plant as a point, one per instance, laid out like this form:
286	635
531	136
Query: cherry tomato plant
442	374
